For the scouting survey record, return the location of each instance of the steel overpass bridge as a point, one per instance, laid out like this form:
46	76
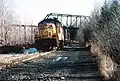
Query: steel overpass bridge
71	23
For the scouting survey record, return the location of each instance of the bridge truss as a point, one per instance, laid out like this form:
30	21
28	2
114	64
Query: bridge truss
72	23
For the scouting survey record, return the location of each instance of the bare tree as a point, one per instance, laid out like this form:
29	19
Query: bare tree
105	25
6	21
107	28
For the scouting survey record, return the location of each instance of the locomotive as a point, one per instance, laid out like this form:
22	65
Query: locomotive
50	34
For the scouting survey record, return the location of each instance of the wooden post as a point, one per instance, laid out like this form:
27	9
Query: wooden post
20	35
31	34
25	34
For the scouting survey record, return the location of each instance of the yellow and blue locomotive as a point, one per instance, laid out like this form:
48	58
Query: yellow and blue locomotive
51	34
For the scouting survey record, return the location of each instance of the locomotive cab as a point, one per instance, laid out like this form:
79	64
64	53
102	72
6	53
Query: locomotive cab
50	34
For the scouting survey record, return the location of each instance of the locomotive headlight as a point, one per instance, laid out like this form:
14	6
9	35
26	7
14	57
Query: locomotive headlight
54	35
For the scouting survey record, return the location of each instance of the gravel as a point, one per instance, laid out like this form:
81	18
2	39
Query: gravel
56	66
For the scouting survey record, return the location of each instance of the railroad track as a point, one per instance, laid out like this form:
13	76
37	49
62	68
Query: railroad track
56	66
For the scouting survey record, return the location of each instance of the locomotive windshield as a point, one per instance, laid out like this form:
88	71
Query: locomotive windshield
48	21
43	27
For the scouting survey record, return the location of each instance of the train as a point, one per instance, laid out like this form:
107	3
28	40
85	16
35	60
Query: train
51	34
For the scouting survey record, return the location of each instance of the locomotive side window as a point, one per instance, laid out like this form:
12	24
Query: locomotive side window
58	29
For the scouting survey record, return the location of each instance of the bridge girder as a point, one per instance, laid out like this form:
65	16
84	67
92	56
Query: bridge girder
71	23
68	20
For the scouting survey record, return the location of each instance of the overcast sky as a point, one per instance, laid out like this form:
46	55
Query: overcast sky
33	11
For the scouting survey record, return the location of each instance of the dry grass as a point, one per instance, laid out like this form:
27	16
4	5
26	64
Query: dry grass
105	39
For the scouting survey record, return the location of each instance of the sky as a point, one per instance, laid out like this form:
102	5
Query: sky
33	11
